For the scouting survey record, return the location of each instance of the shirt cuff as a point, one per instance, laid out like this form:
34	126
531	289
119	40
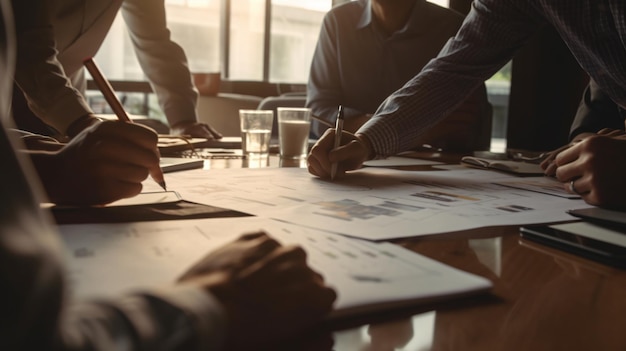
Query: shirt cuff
206	314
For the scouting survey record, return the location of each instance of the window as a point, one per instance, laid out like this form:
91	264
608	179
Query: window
246	46
267	40
197	26
295	27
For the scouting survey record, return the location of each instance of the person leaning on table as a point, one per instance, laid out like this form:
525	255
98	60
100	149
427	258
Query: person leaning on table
367	49
60	34
595	32
103	162
251	291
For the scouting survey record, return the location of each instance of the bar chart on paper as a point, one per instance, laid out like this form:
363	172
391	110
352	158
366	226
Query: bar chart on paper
378	204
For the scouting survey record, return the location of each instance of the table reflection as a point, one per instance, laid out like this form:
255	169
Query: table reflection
414	333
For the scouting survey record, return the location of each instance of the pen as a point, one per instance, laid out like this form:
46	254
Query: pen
338	132
107	91
322	121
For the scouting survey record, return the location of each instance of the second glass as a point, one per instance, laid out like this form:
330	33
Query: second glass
294	124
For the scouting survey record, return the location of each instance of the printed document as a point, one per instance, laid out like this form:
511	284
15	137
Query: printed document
378	203
110	259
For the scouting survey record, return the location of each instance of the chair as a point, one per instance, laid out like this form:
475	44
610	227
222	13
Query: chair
286	100
222	111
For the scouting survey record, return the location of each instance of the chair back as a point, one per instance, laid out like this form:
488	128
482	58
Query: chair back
274	102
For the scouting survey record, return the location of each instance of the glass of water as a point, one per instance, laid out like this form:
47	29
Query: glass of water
256	131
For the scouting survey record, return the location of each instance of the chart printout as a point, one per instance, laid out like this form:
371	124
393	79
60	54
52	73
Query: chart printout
378	203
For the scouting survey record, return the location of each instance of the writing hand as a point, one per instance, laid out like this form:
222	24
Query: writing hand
354	150
103	163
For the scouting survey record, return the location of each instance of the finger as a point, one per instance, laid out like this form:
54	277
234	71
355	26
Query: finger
568	155
214	132
550	170
130	133
610	132
546	162
108	193
566	173
201	131
348	157
288	254
274	263
549	160
320	151
582	186
122	151
314	167
109	172
253	235
262	246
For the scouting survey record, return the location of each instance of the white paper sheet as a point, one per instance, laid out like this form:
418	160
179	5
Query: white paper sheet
379	204
109	259
398	161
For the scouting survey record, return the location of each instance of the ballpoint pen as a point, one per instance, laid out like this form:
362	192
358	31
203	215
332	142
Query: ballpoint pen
338	132
107	91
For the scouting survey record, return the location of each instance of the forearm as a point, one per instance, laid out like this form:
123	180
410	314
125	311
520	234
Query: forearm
49	168
39	74
596	111
487	40
162	60
180	318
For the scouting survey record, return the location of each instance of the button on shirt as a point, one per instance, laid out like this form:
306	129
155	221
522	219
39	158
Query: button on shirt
357	65
594	30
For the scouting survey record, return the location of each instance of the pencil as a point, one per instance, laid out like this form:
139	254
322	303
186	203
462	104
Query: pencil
338	132
107	91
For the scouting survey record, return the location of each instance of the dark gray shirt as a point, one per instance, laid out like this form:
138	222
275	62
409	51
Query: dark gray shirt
357	65
594	30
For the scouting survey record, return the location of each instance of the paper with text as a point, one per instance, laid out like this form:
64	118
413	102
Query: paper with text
379	204
109	259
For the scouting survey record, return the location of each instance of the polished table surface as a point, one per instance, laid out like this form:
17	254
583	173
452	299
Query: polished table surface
542	299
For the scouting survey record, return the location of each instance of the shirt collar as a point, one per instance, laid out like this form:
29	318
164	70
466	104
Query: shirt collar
416	22
366	15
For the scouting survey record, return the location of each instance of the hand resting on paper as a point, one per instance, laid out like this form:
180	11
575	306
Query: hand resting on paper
195	130
596	169
550	166
268	290
103	163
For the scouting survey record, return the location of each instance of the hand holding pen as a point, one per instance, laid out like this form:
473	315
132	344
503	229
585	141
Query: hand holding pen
117	107
338	133
351	154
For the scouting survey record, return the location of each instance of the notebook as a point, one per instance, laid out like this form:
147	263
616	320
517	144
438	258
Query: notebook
509	166
173	145
174	164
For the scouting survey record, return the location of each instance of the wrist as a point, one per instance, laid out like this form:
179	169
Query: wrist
367	145
47	166
182	124
81	124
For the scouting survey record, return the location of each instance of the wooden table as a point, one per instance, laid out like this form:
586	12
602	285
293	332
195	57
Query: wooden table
543	299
